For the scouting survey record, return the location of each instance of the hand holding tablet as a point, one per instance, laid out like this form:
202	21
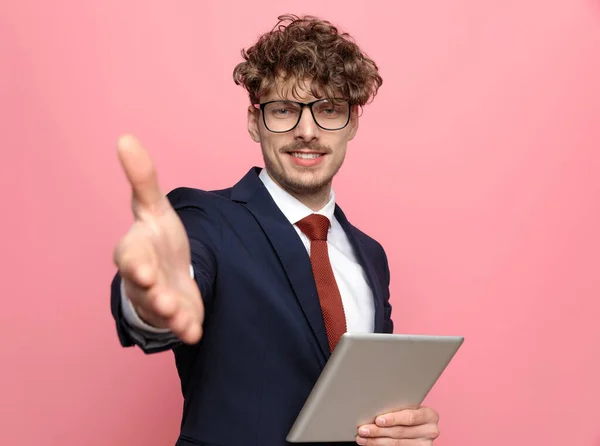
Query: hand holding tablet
407	424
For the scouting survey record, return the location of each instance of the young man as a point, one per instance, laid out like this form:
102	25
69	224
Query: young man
252	286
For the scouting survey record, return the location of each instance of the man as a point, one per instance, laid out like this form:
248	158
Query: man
252	286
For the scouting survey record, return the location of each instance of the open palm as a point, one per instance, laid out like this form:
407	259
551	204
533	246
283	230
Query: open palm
154	256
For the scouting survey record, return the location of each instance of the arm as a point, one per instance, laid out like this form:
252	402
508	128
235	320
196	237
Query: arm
388	323
204	235
169	233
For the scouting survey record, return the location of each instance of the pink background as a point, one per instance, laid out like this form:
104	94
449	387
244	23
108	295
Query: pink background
477	167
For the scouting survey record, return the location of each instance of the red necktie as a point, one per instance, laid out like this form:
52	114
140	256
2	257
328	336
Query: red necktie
315	227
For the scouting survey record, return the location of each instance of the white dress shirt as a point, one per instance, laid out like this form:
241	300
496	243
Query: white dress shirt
357	297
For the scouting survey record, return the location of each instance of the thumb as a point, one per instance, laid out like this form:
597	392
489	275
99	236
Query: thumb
140	172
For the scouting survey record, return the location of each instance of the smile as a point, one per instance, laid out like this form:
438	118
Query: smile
306	156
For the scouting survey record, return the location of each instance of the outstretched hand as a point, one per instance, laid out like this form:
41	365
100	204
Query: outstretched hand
154	258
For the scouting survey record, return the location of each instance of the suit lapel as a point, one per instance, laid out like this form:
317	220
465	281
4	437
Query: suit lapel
251	193
367	265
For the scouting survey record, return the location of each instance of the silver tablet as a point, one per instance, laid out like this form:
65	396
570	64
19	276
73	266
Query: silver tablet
368	375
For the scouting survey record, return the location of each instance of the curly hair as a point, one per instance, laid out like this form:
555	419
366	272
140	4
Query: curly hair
308	48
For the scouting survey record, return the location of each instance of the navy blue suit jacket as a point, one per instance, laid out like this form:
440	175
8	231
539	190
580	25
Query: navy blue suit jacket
264	343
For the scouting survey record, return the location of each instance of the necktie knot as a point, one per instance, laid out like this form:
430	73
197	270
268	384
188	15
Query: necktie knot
315	226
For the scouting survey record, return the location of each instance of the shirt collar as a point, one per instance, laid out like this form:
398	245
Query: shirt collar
291	207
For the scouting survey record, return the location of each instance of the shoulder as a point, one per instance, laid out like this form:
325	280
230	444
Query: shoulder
365	240
188	197
368	242
204	214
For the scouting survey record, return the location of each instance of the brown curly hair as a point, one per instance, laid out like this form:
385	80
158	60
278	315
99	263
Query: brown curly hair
308	48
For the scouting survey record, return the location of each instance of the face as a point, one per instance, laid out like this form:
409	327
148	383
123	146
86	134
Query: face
304	160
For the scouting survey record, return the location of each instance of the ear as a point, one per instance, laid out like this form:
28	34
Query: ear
253	124
353	124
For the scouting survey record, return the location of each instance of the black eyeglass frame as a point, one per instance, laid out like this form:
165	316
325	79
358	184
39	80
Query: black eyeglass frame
302	105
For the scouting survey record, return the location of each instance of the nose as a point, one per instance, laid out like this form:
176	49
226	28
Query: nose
307	129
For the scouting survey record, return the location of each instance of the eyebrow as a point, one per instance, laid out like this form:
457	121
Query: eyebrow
278	98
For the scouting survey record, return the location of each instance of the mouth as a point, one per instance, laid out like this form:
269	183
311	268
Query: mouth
306	159
306	155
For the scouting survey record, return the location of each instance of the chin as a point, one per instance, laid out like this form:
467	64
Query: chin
307	183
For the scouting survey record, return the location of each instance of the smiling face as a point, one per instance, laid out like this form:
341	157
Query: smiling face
304	160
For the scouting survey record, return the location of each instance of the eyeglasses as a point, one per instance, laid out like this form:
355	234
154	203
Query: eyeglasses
284	116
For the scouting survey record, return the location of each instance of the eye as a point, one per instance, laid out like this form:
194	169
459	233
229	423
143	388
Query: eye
281	111
328	110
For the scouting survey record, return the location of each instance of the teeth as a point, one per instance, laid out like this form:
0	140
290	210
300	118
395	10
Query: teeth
306	156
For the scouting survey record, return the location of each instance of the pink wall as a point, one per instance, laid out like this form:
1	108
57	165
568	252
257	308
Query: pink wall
485	143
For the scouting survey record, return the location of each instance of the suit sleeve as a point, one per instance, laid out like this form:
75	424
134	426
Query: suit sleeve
196	212
388	323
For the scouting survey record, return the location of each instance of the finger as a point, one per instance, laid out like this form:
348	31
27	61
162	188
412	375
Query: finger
385	441
148	315
408	417
162	310
192	334
136	260
153	306
181	322
140	172
189	327
166	305
185	326
428	431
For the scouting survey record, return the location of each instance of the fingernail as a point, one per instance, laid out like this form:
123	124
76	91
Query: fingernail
364	431
380	421
361	440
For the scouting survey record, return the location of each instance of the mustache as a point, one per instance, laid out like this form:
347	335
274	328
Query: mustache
298	146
